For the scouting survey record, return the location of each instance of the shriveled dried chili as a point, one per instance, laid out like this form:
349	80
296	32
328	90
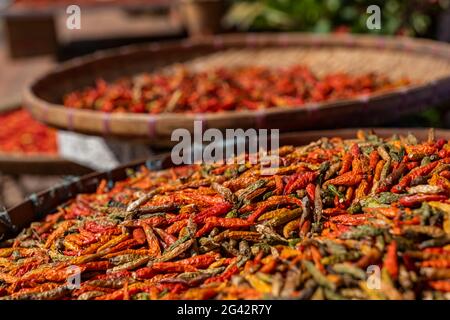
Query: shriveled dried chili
278	246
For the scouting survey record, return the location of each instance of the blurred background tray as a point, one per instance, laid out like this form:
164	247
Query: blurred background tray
423	61
22	174
20	163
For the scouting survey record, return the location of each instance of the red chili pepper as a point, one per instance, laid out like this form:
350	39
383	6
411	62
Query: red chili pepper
373	160
311	191
139	236
95	266
225	276
355	151
392	178
390	261
412	165
229	223
334	211
444	153
166	237
347	179
200	261
346	163
304	228
419	172
177	226
299	181
269	267
440	285
217	210
440	143
354	220
271	202
445	174
417	199
437	263
417	152
279	185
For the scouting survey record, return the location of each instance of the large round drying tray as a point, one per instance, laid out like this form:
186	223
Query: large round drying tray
425	62
38	206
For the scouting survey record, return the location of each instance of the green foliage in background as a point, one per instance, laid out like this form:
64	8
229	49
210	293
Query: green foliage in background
406	17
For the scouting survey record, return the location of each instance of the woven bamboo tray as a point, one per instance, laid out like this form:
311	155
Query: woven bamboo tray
427	63
16	164
22	215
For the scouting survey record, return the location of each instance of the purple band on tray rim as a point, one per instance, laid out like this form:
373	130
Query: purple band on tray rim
381	43
316	41
70	115
401	45
151	126
283	40
251	41
434	50
350	41
106	128
218	42
44	113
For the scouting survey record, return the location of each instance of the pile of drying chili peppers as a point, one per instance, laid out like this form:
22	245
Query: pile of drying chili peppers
335	212
215	90
20	133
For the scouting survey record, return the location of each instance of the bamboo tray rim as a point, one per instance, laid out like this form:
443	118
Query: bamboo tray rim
35	207
130	49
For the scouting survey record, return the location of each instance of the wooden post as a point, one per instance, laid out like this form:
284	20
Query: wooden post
202	17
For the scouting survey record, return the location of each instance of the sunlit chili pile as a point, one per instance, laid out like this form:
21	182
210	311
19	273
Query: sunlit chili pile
335	213
215	90
20	133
